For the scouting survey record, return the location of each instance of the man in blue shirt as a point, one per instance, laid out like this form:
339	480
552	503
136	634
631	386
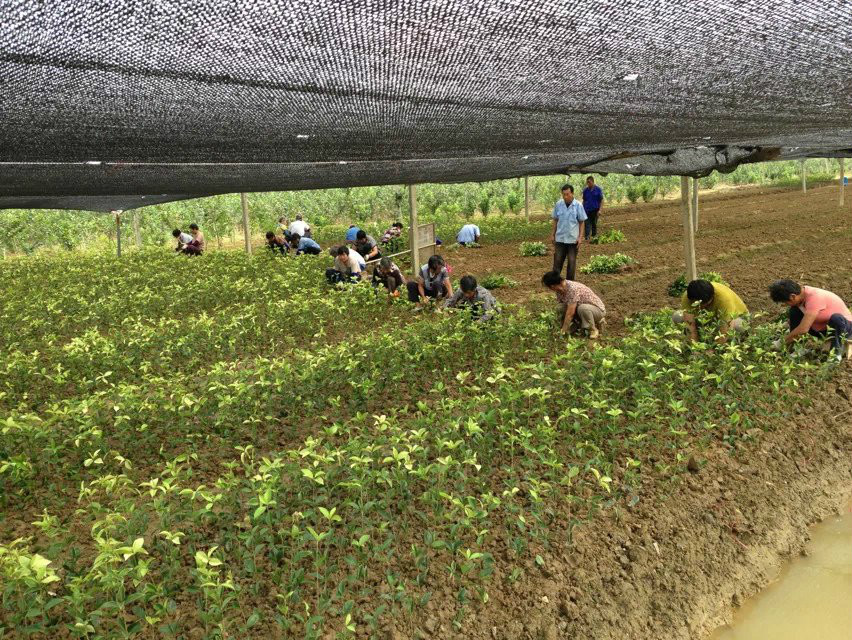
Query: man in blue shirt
352	234
592	201
305	245
569	221
469	234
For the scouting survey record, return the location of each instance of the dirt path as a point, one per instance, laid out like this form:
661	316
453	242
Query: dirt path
751	236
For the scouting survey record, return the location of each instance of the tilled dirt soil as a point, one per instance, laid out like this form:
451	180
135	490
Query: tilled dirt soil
751	236
675	566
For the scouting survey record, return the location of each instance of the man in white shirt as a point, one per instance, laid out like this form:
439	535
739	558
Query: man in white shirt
349	266
469	234
300	227
183	239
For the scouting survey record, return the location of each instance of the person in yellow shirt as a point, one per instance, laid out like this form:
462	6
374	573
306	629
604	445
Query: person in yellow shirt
716	298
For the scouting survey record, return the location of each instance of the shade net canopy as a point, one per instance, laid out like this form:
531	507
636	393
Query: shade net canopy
113	104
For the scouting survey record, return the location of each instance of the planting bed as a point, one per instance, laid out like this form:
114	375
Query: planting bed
199	448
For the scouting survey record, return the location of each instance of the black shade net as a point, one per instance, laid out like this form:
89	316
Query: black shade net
115	104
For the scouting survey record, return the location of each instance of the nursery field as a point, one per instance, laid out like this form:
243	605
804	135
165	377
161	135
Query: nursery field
751	236
225	447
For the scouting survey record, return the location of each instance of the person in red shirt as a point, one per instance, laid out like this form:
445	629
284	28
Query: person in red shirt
578	306
817	312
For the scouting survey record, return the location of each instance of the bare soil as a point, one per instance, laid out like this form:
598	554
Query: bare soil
676	564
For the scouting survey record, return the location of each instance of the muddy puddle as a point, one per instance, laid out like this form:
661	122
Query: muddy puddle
812	597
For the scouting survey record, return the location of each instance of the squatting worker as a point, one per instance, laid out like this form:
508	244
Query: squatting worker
387	274
367	246
305	245
299	227
198	244
476	298
817	312
718	299
433	281
183	239
592	203
569	221
352	234
578	305
348	266
276	243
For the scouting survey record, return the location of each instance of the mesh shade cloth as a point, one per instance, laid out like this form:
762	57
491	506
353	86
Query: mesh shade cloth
104	102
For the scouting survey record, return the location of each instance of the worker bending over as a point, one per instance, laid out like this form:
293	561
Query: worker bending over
816	312
579	307
276	243
387	274
348	266
473	297
719	300
305	245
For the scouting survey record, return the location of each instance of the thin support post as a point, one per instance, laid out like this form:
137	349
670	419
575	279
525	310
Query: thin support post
118	232
136	232
804	177
527	198
688	230
246	231
695	205
412	233
842	176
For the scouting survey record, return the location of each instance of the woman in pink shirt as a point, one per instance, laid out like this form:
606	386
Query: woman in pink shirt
817	312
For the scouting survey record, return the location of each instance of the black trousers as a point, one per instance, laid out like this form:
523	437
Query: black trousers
390	282
311	251
334	276
839	329
564	250
592	223
414	292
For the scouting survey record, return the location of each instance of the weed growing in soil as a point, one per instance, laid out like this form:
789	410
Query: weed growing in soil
529	249
610	237
607	264
497	281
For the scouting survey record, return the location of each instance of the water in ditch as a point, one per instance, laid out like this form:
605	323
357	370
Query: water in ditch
812	597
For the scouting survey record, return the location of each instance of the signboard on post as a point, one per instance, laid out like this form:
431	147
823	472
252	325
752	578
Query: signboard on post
426	240
845	181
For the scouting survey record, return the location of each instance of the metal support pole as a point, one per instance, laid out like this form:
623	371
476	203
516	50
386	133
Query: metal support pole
688	231
527	198
804	178
118	232
246	231
695	205
412	233
842	175
136	232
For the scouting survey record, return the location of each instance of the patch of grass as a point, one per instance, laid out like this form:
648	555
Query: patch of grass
529	249
610	237
607	264
497	281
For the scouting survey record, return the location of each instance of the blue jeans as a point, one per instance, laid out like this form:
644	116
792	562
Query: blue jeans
839	328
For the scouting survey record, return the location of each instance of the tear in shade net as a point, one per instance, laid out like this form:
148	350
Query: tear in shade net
115	104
